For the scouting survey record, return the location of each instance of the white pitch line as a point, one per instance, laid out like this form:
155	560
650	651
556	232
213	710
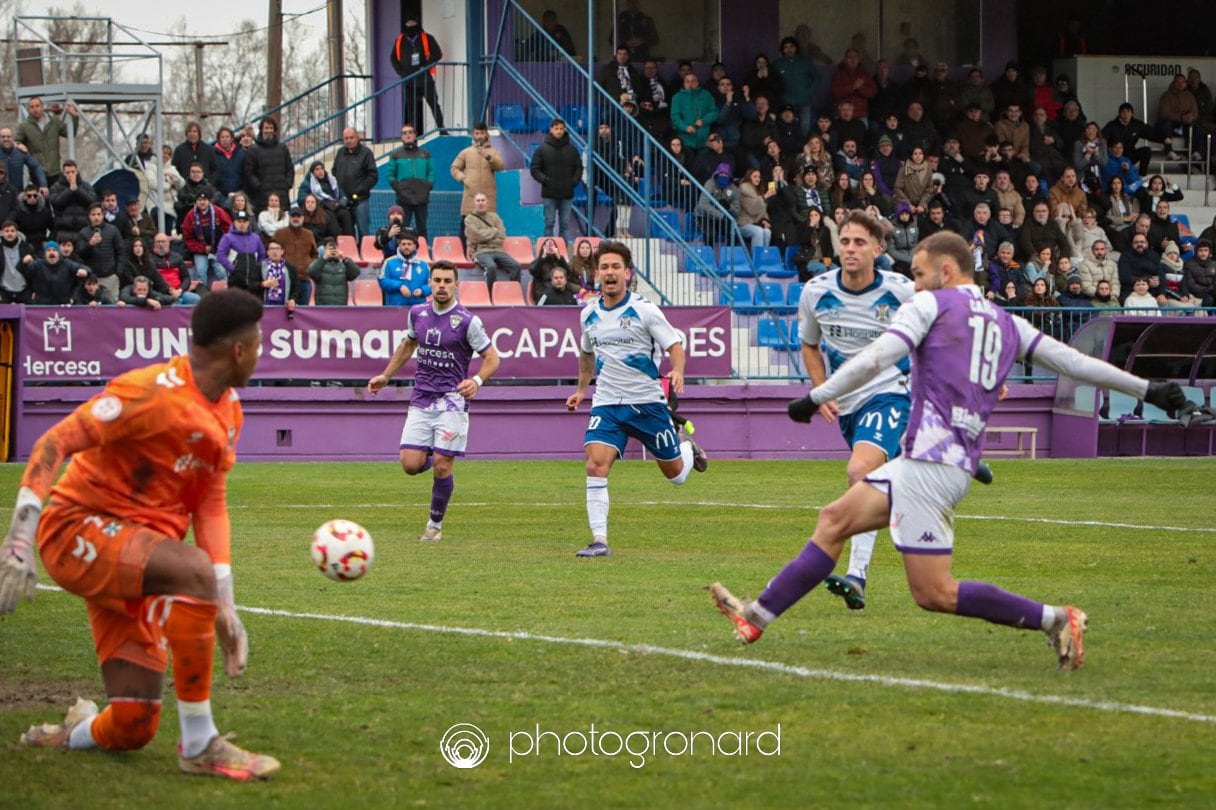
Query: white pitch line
727	505
745	663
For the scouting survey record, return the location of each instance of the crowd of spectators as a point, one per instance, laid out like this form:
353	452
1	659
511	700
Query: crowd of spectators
1013	163
1041	192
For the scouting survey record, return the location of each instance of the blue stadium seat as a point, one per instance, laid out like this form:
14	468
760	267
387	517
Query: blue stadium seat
703	252
575	116
510	117
778	333
532	150
670	217
884	262
769	295
539	118
793	294
653	196
736	294
790	253
736	259
769	263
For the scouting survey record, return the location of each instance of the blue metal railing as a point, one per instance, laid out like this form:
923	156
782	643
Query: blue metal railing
322	134
627	171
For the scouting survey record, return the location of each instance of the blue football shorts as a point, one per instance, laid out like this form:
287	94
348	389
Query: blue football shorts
649	423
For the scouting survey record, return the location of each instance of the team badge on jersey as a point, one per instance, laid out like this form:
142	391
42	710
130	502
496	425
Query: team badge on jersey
455	320
106	409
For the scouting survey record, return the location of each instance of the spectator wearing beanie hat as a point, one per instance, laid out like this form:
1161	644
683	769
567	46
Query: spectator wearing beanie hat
885	165
386	237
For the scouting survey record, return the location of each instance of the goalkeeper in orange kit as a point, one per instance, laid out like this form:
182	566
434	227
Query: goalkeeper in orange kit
150	457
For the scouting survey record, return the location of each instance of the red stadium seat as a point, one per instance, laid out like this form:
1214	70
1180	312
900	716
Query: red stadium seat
350	249
448	248
474	294
372	255
561	245
519	248
508	294
366	293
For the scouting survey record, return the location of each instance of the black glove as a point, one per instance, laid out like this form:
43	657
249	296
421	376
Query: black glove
1167	396
801	410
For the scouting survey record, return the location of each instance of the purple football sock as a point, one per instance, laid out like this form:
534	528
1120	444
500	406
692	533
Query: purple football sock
988	602
800	575
441	493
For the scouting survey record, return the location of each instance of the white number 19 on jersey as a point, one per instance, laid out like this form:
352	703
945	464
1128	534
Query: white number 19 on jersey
985	351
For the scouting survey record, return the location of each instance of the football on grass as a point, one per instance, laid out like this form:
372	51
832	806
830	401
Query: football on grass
342	549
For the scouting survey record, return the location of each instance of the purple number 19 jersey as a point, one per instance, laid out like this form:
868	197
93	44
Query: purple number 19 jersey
963	348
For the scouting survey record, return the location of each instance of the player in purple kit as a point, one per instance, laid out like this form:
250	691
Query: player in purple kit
445	336
963	347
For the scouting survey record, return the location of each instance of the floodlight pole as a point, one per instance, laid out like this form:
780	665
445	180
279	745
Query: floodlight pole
274	56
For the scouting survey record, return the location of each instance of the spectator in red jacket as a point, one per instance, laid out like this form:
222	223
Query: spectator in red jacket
203	227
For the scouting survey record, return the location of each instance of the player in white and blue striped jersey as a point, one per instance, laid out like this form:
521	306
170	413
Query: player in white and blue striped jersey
624	337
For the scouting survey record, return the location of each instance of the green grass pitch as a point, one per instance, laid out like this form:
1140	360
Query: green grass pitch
889	707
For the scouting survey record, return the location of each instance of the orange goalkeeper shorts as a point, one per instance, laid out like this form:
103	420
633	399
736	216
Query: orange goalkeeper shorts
102	559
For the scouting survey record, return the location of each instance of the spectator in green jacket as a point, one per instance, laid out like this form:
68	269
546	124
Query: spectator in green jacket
331	273
798	81
692	111
412	175
39	135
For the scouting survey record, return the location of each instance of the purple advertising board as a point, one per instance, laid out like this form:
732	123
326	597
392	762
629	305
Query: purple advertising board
82	343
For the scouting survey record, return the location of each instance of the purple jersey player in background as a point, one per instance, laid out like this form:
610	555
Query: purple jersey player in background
963	347
445	336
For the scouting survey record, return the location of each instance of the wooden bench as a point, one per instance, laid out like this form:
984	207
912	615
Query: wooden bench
1021	433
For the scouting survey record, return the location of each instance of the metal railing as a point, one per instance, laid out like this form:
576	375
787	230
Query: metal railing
48	62
627	172
320	129
302	110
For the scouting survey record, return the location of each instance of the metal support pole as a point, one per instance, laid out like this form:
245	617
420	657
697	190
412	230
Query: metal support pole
199	91
274	58
337	88
590	160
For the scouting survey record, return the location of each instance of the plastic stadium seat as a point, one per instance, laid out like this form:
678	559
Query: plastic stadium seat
508	294
737	294
652	195
448	248
372	255
519	248
671	218
703	253
736	259
366	293
769	295
424	250
510	117
790	253
793	294
561	245
575	116
350	249
768	262
778	333
539	118
474	294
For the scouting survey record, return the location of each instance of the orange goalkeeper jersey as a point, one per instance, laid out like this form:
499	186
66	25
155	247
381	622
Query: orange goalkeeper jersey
156	448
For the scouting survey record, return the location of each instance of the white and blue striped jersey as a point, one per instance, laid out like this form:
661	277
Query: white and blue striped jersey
628	341
842	322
